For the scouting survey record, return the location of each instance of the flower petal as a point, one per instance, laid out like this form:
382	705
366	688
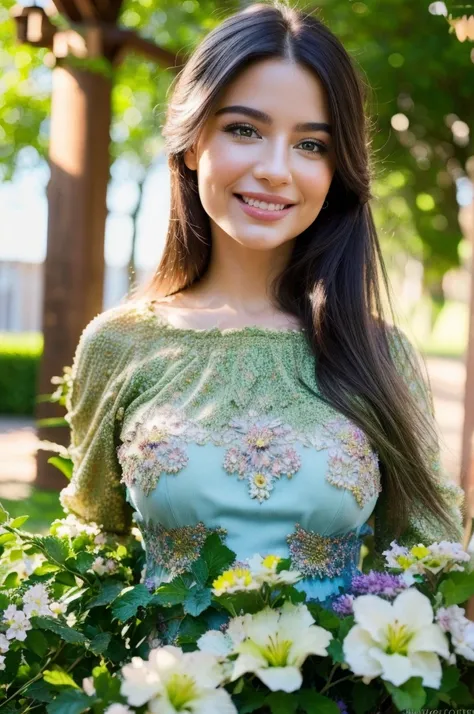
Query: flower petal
396	668
140	683
428	666
246	663
216	702
429	639
373	614
357	646
215	642
288	679
314	640
413	609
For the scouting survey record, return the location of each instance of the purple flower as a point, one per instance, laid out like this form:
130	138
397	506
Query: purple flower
342	605
342	706
376	583
150	584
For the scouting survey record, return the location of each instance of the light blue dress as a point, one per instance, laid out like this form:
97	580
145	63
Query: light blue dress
200	431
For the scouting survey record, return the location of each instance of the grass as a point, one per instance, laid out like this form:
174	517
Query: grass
41	506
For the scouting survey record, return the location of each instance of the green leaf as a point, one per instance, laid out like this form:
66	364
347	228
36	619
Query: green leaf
282	702
84	561
200	571
329	620
11	581
173	593
458	587
335	651
364	698
346	625
4	515
216	555
190	631
18	522
314	703
65	578
450	679
251	700
58	677
70	702
410	695
197	600
4	601
106	686
56	549
37	642
126	605
100	643
39	691
461	695
66	633
64	465
6	538
108	592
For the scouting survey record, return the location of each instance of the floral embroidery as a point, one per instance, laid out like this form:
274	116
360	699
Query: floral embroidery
154	452
352	463
263	453
175	548
321	556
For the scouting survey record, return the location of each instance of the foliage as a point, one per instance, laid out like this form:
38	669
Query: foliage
19	364
88	609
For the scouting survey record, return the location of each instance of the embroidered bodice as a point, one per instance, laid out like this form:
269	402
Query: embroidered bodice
200	431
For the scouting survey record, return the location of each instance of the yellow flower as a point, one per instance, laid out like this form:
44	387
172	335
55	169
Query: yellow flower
420	551
271	561
232	580
404	561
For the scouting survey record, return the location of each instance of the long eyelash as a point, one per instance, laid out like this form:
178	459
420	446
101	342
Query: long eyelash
232	128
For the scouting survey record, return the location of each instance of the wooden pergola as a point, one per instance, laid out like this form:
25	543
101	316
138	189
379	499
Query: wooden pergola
79	162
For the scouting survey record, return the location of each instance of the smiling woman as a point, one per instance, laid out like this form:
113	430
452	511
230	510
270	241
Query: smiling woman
253	388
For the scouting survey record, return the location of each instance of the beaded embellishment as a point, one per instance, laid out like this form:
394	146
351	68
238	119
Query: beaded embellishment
263	454
352	463
320	556
154	452
176	548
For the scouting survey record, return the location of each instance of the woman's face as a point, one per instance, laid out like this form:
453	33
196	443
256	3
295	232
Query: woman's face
259	148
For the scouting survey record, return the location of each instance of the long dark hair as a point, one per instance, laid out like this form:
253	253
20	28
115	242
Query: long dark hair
333	280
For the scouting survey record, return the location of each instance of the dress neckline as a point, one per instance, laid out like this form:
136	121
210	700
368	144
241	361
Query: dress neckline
244	331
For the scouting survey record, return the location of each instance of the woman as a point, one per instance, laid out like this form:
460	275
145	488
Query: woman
253	387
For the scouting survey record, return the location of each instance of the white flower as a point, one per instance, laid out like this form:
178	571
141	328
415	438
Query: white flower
2	662
264	570
111	566
172	681
9	613
58	608
72	527
18	624
118	709
101	539
396	640
4	644
452	619
71	619
98	566
272	643
36	601
88	686
445	555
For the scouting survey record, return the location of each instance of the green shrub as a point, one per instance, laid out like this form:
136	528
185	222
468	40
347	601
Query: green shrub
20	355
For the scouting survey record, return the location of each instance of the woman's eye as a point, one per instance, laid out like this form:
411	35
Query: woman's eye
315	147
234	129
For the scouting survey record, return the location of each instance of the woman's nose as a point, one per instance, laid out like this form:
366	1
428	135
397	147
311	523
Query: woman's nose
274	165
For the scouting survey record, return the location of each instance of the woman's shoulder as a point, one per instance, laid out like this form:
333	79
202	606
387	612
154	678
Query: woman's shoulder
117	328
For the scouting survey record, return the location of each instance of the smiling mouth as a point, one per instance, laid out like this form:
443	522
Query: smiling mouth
241	198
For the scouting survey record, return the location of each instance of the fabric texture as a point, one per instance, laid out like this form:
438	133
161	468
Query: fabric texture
187	432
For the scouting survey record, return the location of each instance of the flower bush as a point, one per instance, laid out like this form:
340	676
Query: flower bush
82	630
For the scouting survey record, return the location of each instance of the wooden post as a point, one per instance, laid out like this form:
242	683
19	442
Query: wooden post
74	267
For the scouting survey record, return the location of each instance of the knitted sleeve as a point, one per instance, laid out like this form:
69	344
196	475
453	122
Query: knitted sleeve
94	411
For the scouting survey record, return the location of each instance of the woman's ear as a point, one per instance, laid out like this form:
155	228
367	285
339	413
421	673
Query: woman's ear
190	158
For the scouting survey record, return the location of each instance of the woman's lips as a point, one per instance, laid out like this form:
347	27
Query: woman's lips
261	213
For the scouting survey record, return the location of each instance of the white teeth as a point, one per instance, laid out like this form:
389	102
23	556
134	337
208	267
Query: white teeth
264	205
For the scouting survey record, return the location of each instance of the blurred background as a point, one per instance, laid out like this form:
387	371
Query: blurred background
84	191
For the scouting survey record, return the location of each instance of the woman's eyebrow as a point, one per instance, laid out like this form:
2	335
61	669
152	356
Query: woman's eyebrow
266	119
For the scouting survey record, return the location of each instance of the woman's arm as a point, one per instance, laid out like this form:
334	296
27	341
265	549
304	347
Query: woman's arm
94	412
